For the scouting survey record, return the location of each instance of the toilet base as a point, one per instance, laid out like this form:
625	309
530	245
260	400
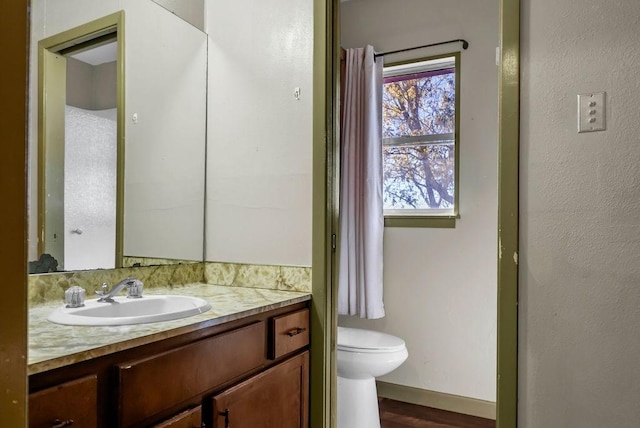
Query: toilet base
357	403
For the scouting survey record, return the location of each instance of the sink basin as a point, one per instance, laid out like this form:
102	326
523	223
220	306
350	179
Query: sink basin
122	311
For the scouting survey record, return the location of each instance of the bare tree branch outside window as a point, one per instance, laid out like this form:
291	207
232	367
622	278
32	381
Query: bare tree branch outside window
419	174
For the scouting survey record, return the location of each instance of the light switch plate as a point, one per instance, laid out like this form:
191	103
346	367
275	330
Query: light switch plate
592	112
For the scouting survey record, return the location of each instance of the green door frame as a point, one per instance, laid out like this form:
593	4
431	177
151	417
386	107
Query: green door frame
52	77
14	44
324	318
325	160
508	184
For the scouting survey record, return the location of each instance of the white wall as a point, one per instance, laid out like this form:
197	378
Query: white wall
580	222
259	155
440	284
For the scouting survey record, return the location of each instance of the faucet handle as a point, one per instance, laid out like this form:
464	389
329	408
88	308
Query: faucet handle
74	297
134	289
103	290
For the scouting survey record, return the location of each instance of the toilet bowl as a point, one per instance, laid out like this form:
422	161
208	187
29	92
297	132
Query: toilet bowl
363	355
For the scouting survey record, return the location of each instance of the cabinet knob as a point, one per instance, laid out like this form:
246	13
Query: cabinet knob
60	424
296	331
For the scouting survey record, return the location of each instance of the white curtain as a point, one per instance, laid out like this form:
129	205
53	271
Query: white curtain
361	218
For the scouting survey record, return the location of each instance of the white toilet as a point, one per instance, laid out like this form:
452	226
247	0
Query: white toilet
363	355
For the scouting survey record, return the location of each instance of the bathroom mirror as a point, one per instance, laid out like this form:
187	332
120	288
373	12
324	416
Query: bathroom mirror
191	11
139	199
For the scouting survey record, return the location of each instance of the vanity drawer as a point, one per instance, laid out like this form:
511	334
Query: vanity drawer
151	385
73	403
289	332
192	418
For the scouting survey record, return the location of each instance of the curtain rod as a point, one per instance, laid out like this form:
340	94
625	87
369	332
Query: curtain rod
465	45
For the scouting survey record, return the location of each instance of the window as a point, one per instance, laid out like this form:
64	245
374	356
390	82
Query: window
420	142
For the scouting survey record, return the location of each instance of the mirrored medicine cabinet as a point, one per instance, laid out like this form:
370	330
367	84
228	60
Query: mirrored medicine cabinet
117	136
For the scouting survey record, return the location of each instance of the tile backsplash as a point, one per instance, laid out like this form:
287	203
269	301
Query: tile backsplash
285	278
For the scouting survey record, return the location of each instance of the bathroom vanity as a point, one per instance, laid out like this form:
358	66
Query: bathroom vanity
245	369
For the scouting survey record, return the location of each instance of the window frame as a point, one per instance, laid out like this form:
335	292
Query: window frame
418	218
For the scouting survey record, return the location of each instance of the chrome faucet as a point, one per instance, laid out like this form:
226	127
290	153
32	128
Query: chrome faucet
134	290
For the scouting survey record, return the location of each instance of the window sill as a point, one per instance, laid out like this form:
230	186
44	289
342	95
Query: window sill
437	222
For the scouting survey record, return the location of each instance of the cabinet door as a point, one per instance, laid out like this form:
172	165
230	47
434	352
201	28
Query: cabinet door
153	384
192	418
275	398
73	403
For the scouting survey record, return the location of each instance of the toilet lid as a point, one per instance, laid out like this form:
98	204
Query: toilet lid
360	340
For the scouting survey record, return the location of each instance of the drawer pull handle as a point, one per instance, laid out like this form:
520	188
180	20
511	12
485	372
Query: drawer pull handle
225	413
60	424
296	331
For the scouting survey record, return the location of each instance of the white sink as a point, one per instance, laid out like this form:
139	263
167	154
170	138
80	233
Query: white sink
150	308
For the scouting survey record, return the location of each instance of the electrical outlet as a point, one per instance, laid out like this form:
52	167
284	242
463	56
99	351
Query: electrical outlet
592	112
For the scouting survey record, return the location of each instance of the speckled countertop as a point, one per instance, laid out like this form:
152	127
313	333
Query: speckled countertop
53	345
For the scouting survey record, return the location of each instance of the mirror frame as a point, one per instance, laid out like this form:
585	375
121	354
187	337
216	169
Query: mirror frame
52	82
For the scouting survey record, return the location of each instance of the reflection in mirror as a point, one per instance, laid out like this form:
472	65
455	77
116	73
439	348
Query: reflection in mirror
90	165
138	201
78	148
191	11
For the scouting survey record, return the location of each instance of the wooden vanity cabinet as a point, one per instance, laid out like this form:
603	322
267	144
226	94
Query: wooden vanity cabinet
275	398
257	367
191	418
72	403
150	385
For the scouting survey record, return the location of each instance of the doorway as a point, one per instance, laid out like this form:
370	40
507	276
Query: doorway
80	148
507	239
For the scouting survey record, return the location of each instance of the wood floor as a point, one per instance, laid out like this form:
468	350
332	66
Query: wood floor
395	414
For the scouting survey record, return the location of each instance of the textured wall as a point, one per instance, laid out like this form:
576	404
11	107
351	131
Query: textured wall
259	154
580	220
440	284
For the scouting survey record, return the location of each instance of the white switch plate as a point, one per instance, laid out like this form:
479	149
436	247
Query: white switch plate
592	112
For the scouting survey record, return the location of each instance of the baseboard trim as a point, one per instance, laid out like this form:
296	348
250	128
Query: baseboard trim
437	400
